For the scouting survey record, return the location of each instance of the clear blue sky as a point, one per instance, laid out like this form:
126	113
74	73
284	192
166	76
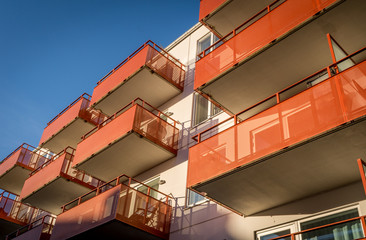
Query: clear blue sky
51	51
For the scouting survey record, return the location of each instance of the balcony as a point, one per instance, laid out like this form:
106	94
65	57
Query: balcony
15	168
222	16
302	145
132	140
40	229
14	213
281	43
148	66
55	183
116	209
70	124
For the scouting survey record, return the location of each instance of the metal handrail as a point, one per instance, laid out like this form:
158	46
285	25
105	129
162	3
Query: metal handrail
41	221
265	10
197	137
98	190
292	235
148	43
128	106
29	148
53	159
83	96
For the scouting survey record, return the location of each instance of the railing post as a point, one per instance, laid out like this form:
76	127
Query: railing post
147	204
363	226
199	138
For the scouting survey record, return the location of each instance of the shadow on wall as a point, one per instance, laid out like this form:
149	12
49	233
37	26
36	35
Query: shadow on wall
205	222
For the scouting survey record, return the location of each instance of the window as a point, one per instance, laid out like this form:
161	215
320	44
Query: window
203	109
346	230
194	198
153	183
205	42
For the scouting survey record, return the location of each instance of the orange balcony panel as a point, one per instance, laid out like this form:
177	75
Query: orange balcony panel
120	211
40	229
253	38
240	73
69	125
14	214
56	183
147	66
312	135
15	168
132	141
208	6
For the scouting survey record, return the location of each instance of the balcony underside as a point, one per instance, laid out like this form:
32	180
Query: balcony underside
7	227
13	180
132	154
144	84
234	13
115	228
53	195
319	164
70	135
297	56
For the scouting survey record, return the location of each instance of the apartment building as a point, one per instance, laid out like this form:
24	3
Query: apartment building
251	125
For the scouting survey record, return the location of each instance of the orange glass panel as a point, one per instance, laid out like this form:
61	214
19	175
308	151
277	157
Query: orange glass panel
155	128
18	212
105	135
144	212
326	105
268	28
25	157
162	63
88	215
208	6
42	177
65	118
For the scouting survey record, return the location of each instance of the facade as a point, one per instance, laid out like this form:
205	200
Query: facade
254	129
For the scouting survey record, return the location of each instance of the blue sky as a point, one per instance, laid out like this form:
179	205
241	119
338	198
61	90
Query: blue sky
52	51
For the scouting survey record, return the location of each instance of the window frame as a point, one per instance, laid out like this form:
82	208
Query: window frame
297	223
210	107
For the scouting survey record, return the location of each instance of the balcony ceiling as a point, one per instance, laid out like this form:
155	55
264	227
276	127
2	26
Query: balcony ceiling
297	56
131	154
14	179
321	164
70	135
115	228
234	13
53	195
144	84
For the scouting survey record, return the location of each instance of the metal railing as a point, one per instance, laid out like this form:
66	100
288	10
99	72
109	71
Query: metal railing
331	70
241	27
69	171
154	46
293	235
84	95
17	211
139	102
122	179
30	156
47	222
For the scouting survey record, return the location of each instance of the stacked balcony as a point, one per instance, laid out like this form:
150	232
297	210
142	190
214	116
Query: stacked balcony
133	140
314	131
15	168
148	66
14	214
116	208
287	40
40	229
70	124
55	183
